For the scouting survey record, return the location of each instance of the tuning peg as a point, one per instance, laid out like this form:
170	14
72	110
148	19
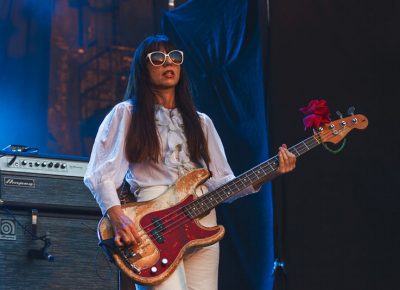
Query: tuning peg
339	114
350	111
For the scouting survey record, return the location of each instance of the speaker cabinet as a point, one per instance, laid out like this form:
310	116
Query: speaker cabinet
70	239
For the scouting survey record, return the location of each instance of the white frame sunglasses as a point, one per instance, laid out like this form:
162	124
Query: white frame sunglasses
149	55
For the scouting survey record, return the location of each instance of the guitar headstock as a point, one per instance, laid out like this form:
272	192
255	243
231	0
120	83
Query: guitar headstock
335	131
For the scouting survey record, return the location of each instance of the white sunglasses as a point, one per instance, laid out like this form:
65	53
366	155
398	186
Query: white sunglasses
158	58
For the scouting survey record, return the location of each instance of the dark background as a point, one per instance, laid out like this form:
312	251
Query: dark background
340	212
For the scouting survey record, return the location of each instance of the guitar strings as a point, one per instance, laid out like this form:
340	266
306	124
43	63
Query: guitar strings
181	216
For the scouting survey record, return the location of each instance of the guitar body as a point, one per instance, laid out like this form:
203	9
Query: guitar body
169	224
167	232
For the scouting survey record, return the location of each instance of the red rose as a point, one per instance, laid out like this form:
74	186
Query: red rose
317	113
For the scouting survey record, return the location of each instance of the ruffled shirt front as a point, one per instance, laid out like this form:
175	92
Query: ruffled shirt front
108	164
170	128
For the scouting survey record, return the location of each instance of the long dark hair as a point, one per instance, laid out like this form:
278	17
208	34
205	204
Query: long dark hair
142	143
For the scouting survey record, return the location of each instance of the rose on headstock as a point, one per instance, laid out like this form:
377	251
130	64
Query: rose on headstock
317	113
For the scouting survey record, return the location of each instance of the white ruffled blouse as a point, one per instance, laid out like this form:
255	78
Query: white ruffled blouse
108	165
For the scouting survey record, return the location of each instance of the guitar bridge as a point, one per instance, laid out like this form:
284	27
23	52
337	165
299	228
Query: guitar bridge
128	255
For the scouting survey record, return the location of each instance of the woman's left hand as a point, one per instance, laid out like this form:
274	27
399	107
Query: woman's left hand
287	160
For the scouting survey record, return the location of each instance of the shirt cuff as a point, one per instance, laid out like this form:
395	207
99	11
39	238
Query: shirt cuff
106	196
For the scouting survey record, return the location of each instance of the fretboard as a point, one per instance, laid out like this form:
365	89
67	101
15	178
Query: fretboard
257	174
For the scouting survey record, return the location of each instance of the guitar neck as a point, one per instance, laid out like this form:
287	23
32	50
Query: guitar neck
257	174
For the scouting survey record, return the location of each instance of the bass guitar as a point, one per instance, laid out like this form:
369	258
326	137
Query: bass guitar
169	224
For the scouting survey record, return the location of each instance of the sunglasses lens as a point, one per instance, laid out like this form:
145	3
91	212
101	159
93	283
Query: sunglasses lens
176	57
157	58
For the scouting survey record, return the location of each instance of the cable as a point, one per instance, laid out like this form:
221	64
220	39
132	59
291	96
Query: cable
32	235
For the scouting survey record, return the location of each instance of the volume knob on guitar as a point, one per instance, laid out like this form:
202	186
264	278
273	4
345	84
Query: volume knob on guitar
164	261
170	221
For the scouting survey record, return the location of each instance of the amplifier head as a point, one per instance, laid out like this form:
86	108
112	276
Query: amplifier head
45	182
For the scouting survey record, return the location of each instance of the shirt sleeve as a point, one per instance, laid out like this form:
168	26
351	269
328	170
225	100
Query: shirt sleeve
219	166
108	164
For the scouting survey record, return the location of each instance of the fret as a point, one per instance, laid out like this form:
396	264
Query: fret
213	202
212	199
225	194
268	168
187	210
297	152
301	149
236	187
202	204
219	197
310	144
245	179
259	171
253	177
272	168
241	181
316	140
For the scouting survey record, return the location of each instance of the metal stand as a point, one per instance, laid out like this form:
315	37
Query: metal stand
279	271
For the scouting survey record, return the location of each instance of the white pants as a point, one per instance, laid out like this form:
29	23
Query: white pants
199	268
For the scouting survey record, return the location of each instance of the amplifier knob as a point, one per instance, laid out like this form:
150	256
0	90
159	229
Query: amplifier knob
24	162
57	165
37	163
44	164
50	165
63	166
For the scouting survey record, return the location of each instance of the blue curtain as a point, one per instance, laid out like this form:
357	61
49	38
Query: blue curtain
223	56
25	28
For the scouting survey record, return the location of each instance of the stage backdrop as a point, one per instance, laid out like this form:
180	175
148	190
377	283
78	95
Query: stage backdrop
24	68
341	211
223	56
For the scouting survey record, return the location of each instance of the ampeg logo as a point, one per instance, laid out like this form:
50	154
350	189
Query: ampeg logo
19	182
7	230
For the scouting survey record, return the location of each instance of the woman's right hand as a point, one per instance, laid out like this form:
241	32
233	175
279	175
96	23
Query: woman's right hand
125	231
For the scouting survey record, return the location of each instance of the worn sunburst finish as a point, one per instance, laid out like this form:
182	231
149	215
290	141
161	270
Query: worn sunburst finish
166	230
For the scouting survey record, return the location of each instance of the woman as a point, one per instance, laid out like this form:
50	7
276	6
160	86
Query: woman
154	138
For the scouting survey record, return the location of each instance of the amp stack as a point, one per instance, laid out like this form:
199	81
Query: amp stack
48	224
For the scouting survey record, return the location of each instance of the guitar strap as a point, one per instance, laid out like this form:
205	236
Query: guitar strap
124	193
108	248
